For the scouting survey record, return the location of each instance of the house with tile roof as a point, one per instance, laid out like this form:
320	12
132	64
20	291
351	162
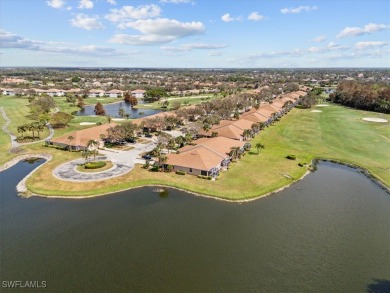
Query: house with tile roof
78	140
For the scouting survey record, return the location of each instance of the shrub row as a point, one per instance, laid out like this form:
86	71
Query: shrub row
205	177
95	165
180	172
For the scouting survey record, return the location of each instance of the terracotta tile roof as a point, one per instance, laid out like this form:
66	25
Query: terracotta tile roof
254	117
81	137
200	157
221	145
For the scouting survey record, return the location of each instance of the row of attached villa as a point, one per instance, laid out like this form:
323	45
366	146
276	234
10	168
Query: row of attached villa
209	155
92	93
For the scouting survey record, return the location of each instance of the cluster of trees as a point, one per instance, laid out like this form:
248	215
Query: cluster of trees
130	99
33	127
99	109
60	119
40	107
155	94
365	96
124	131
310	99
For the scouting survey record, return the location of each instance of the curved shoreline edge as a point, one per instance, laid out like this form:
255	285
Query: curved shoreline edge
23	191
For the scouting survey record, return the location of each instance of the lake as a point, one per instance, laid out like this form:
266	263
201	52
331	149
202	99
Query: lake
329	232
113	110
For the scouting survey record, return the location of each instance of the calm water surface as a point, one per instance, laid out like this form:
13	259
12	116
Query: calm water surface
328	233
113	110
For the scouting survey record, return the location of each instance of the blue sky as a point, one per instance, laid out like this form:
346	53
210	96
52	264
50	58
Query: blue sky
195	33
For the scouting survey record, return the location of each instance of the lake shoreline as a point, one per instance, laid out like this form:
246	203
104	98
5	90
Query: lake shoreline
25	192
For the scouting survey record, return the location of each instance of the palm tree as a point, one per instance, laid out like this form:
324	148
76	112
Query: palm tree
162	159
171	144
121	112
92	146
259	146
234	152
39	128
85	154
70	137
206	127
247	133
22	129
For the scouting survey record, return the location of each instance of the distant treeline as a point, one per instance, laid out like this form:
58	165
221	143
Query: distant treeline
364	96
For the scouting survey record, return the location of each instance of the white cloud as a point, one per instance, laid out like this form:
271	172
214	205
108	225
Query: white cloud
367	29
165	27
12	41
158	31
85	4
215	53
193	46
127	13
86	22
227	18
140	40
69	8
175	1
298	9
255	16
365	45
319	39
112	2
56	3
315	50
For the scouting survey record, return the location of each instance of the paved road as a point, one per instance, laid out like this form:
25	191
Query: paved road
14	143
123	162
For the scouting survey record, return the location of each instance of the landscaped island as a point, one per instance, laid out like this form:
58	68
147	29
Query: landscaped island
336	133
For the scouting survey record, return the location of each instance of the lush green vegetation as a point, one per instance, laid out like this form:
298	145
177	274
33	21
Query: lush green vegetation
372	97
97	166
336	133
174	101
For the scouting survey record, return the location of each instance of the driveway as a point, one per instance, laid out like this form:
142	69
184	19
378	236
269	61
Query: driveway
123	162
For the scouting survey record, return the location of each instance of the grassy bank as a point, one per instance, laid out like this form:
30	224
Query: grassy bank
185	101
336	133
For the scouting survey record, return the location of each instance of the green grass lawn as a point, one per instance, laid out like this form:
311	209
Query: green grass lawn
192	100
17	110
336	133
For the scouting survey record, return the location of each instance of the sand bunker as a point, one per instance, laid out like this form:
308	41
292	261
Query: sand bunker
87	123
380	120
118	119
322	105
316	111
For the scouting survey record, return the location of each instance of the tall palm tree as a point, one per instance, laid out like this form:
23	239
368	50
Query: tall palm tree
162	159
92	147
234	151
85	154
259	146
70	138
121	112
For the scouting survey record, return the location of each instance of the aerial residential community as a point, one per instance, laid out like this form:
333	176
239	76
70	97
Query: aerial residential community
194	146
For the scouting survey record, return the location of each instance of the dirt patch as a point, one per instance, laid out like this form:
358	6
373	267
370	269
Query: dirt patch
316	111
322	105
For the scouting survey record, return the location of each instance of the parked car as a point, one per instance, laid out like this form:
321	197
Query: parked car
147	157
148	135
131	140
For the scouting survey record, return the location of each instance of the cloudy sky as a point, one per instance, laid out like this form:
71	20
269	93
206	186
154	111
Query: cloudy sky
195	33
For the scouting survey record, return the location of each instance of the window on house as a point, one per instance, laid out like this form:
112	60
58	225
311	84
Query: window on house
190	169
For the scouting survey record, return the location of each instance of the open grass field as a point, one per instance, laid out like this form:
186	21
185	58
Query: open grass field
185	101
17	109
336	133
